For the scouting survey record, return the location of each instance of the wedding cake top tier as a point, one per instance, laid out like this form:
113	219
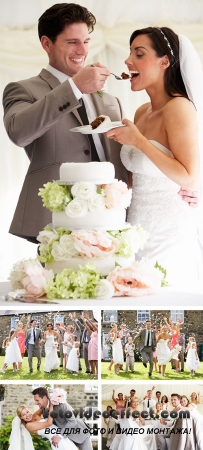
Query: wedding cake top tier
102	172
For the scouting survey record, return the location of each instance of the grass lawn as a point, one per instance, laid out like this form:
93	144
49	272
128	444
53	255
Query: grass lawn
24	374
141	373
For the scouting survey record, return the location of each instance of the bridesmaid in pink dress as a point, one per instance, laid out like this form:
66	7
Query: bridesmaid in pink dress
21	337
92	327
175	330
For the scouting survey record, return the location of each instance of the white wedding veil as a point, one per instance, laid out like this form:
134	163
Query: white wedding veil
192	75
20	438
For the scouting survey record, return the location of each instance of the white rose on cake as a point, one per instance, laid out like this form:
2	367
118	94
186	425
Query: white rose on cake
97	202
77	208
67	242
84	190
104	290
58	252
47	236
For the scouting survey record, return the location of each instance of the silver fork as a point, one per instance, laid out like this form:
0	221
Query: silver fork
116	76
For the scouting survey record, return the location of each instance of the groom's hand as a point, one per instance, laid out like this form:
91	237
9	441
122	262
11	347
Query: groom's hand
55	440
190	197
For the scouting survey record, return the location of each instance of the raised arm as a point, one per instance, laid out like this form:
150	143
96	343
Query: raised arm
113	396
34	426
27	324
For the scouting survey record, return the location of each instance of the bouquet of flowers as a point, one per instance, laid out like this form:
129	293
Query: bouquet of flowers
55	345
58	396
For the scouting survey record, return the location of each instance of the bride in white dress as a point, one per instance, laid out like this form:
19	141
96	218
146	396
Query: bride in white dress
51	356
164	354
25	423
117	350
162	149
138	441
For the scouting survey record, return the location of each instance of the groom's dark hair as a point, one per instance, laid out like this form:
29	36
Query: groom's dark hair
41	391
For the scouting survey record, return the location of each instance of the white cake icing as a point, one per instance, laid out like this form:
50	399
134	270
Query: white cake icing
104	265
103	172
109	219
106	122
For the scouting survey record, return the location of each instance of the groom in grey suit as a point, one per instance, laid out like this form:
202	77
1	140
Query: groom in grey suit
34	338
39	112
146	343
172	440
81	439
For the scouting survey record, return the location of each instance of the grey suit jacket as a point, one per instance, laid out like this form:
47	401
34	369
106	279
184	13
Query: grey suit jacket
140	339
38	115
72	422
38	336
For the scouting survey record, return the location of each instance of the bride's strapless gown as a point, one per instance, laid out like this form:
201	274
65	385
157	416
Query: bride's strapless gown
170	222
64	443
51	357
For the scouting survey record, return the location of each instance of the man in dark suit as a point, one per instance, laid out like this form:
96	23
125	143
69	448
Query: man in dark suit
146	343
39	112
182	351
61	334
81	439
34	339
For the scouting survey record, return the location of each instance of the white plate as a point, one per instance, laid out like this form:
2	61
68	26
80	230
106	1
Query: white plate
87	129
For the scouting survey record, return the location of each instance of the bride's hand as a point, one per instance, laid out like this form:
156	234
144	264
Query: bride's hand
55	440
126	135
190	197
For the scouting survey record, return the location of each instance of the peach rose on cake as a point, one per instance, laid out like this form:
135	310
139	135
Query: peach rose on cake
141	278
35	279
94	244
117	195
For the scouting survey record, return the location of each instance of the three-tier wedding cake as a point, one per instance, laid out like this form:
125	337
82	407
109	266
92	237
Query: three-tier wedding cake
88	220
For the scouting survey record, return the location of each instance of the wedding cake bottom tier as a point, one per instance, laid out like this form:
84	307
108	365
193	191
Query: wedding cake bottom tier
103	265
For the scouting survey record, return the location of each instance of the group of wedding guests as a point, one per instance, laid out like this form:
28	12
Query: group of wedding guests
67	340
156	346
154	403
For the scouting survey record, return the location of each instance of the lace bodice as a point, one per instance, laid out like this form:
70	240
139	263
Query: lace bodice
152	187
49	340
169	221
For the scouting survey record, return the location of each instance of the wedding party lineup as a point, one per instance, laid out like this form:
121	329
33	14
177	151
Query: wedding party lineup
101	263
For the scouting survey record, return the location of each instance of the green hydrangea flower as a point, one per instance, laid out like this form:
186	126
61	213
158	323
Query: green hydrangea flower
70	284
55	196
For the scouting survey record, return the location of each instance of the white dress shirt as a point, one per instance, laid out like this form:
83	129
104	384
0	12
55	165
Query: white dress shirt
89	106
150	337
31	340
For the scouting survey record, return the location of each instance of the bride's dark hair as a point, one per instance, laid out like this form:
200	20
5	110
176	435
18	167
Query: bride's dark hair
163	44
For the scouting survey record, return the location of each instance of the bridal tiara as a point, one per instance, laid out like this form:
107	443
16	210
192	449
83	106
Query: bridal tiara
168	43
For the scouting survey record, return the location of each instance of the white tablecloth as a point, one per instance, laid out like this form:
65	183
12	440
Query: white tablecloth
188	297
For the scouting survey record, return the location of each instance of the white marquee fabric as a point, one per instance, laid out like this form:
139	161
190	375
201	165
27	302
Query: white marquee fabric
21	56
